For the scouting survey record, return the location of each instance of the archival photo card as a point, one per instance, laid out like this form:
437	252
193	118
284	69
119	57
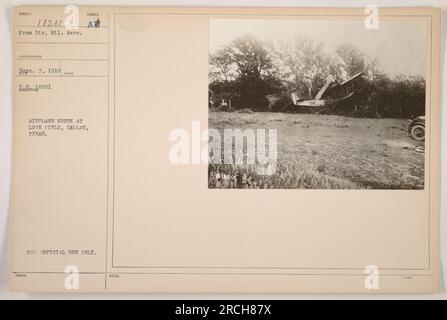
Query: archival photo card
226	150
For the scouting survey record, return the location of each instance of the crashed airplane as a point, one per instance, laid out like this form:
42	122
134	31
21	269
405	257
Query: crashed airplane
329	86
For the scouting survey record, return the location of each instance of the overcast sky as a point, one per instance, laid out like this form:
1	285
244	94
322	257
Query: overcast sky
400	45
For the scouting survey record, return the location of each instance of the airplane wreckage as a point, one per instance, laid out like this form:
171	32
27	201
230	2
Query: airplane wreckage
332	92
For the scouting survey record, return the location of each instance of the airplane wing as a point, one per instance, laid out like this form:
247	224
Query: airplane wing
337	86
351	78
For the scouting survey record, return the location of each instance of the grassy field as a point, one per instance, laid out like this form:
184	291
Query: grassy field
326	152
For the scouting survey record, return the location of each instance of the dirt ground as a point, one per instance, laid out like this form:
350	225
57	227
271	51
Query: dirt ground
326	152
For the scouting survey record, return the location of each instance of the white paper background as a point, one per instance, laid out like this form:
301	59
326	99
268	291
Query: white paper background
6	129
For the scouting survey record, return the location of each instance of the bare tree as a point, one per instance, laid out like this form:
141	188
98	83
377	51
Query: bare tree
303	63
352	58
222	66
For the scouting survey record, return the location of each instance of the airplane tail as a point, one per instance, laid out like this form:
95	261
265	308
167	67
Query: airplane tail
294	98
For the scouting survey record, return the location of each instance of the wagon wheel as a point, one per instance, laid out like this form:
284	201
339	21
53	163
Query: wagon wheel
418	132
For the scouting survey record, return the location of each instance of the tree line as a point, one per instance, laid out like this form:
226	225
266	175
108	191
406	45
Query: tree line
253	74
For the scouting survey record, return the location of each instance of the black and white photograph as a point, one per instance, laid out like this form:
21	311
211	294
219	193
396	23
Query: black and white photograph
317	104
